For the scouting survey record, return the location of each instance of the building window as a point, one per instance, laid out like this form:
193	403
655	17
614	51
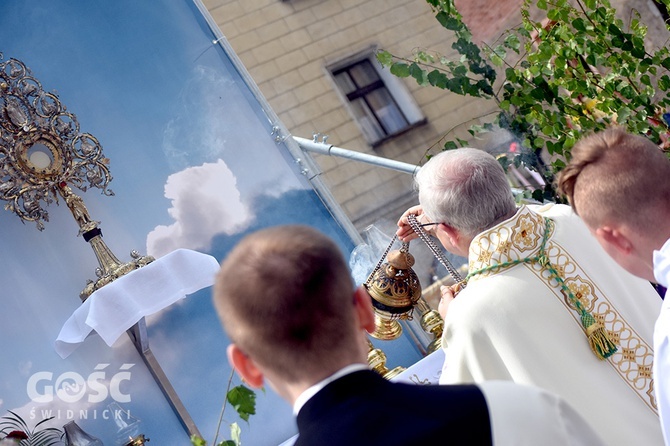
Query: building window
662	9
378	101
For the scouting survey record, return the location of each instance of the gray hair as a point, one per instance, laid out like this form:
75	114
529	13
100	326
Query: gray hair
466	189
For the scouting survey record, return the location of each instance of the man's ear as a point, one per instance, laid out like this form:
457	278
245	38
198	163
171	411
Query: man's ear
452	239
452	233
363	305
245	366
614	238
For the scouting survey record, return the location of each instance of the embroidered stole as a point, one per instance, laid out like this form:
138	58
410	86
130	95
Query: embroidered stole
521	238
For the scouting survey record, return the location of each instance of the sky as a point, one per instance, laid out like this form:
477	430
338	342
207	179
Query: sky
194	166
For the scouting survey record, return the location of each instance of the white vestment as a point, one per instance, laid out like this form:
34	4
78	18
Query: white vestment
662	341
528	416
520	415
516	324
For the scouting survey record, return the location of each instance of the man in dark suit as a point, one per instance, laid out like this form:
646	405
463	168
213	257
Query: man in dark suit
286	299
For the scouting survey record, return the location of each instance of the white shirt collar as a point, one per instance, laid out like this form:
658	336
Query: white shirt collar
311	391
662	264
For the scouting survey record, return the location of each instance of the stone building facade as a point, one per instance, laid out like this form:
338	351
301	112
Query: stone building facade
295	50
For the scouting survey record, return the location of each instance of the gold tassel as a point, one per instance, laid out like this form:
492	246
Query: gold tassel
598	337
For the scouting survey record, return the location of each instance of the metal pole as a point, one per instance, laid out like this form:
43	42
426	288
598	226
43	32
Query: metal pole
309	145
138	335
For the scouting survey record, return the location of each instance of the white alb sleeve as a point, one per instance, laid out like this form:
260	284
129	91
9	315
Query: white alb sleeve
528	416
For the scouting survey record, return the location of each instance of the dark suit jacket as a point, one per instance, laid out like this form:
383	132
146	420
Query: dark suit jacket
363	408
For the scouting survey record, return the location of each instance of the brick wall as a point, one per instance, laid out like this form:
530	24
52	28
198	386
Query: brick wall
487	19
286	45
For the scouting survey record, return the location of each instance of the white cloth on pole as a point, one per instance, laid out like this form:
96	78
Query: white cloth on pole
117	306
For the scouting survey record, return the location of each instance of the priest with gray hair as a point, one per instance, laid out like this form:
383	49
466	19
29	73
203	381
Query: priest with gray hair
542	304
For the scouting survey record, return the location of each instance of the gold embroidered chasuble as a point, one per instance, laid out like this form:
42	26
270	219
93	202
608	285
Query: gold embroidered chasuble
515	323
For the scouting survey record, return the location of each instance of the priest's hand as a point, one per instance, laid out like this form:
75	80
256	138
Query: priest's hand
405	232
447	296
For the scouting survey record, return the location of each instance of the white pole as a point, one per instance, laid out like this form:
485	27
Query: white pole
310	145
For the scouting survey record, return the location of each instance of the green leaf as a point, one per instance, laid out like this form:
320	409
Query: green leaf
511	74
484	87
536	100
553	14
638	52
646	63
538	94
645	80
449	22
437	79
467	48
456	86
425	57
664	82
460	71
622	114
579	24
450	145
538	195
400	69
384	57
512	41
417	73
442	17
617	42
197	441
243	400
504	162
496	60
551	147
612	28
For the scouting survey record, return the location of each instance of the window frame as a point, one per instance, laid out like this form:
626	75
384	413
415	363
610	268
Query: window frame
400	98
